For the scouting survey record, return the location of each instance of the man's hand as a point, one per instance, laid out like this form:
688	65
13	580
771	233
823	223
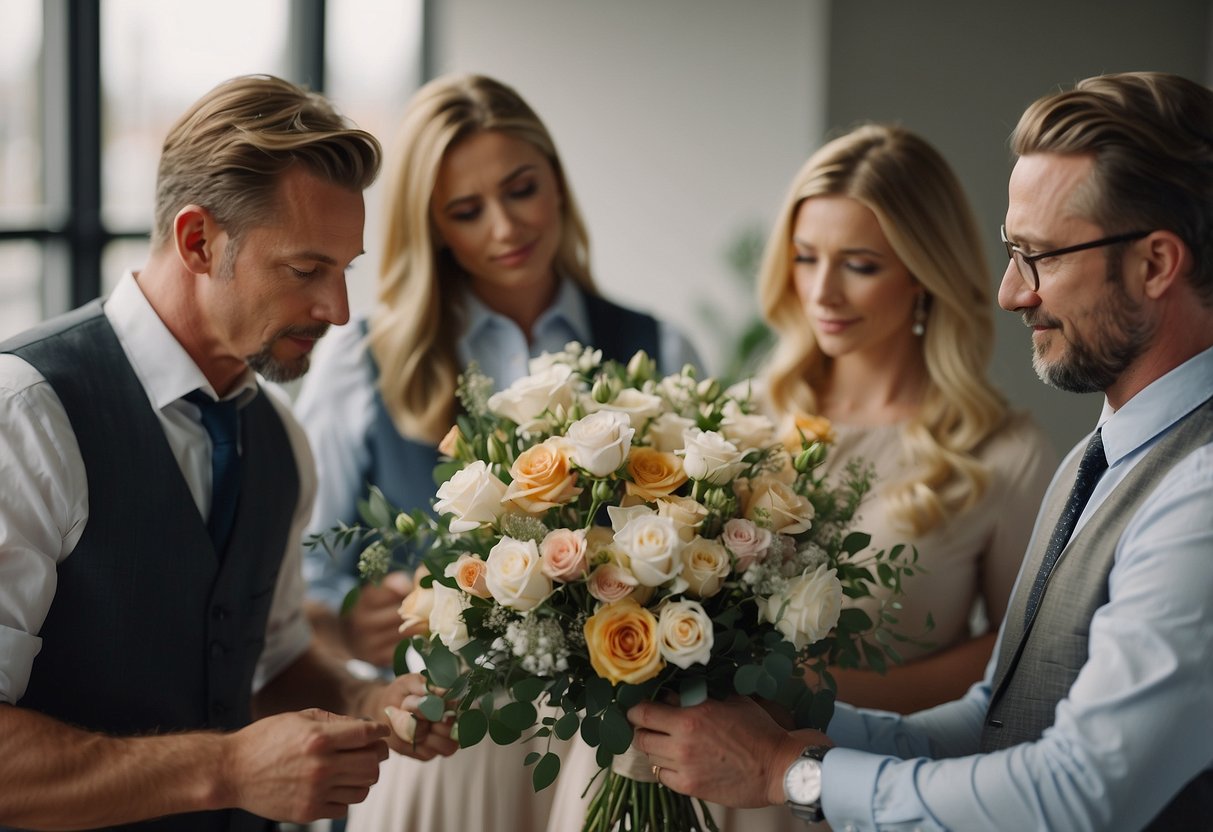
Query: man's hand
731	752
371	627
303	766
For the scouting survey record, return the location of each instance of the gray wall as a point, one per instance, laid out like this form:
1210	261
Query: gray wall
960	72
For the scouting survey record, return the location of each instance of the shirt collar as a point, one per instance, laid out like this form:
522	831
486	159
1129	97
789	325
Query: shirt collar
566	314
162	365
1158	406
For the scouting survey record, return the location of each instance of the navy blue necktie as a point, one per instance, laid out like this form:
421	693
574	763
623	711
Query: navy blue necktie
222	422
1090	469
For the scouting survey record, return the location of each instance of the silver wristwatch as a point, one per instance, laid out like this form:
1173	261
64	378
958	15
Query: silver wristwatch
802	784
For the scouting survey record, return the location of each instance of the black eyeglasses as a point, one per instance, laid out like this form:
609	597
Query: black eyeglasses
1026	263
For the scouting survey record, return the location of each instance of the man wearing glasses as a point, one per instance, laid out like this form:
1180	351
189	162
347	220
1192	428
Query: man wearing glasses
1095	709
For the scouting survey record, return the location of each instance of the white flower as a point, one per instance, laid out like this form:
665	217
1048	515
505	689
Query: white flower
777	505
710	457
514	576
525	400
472	496
746	541
446	616
652	546
620	516
746	430
705	563
688	515
638	406
684	634
665	432
600	442
807	608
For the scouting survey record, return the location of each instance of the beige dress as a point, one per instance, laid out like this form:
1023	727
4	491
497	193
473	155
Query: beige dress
973	558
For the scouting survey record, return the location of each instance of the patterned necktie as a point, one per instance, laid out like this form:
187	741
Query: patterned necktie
1090	469
222	422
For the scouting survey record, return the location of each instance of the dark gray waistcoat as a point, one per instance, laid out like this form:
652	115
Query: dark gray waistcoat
151	630
1038	663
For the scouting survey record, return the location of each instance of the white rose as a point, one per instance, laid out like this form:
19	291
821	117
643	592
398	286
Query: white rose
652	546
600	442
688	515
665	432
808	608
446	616
514	575
710	457
684	634
746	541
705	563
525	400
472	496
746	430
620	516
778	506
639	407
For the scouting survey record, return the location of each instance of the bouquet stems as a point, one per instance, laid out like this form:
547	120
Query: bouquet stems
622	803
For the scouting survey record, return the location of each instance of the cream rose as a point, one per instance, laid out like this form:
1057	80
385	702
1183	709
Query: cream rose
622	642
599	443
688	515
710	457
652	545
450	442
746	430
705	564
514	576
415	608
563	554
638	406
525	400
654	474
446	616
684	634
665	433
747	541
611	582
543	478
597	538
808	608
778	506
472	497
469	572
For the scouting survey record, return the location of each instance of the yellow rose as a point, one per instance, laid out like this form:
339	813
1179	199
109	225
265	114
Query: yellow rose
654	474
543	478
622	640
814	428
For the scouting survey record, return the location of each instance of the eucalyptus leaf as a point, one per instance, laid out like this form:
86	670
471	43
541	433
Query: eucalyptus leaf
473	725
501	733
518	715
400	664
778	666
616	730
693	691
431	707
768	687
528	689
874	657
745	680
351	598
442	665
591	730
856	542
546	772
855	620
566	726
531	758
598	694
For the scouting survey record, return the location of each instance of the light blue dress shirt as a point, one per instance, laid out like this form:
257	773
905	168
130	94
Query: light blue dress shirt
336	404
1137	724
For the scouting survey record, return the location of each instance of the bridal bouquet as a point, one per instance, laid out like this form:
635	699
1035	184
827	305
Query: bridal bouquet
605	536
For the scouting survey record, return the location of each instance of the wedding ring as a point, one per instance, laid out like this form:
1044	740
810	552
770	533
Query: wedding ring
657	774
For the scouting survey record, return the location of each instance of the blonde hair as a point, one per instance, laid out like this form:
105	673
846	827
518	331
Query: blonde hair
1151	135
926	219
227	152
415	323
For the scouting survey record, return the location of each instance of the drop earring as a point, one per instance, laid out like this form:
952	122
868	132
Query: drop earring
919	327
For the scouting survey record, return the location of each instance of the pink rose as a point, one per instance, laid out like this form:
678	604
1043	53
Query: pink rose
563	555
747	541
611	582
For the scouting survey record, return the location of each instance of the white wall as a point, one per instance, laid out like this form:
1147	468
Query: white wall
680	122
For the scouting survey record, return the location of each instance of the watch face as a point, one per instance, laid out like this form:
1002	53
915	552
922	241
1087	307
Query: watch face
802	783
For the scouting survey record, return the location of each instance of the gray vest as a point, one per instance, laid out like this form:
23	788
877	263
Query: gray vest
151	630
1038	664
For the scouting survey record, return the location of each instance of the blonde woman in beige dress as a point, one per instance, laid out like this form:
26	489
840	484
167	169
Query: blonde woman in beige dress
874	281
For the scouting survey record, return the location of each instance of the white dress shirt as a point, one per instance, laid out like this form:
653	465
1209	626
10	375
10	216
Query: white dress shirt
1137	724
44	489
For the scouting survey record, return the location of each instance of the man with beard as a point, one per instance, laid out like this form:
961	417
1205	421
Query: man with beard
1094	711
154	496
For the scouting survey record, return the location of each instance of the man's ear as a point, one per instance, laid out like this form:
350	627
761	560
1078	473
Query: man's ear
196	238
1166	258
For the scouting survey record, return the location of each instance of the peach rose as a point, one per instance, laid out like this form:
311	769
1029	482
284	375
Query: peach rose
611	582
563	554
543	478
469	571
416	606
447	446
654	474
622	642
777	506
814	428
